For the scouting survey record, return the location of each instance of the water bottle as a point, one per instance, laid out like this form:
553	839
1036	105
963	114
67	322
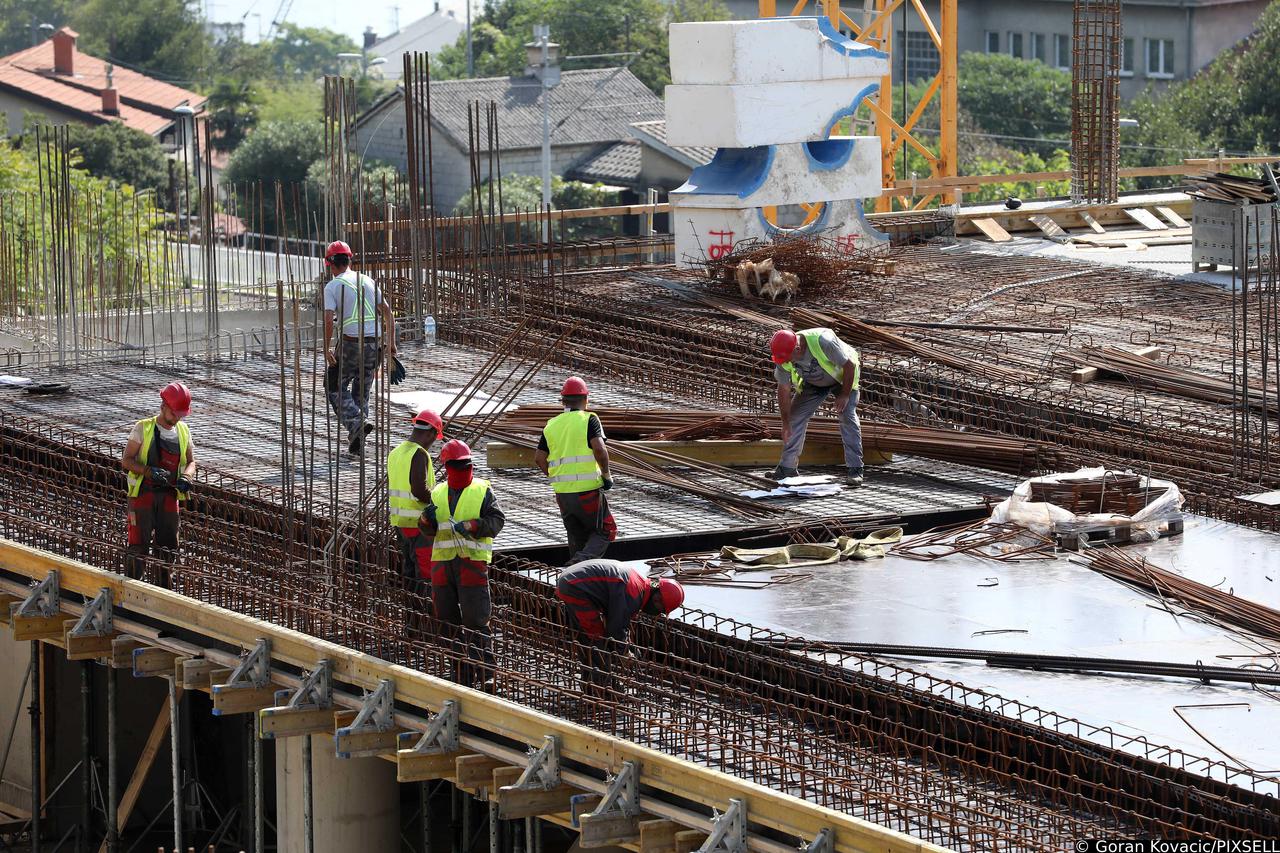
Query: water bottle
429	331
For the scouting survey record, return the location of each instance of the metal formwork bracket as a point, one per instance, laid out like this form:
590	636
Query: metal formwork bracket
254	669
543	768
823	842
728	830
441	736
622	796
377	710
42	600
95	621
316	689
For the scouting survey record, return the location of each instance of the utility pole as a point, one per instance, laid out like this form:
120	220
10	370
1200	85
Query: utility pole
543	57
471	62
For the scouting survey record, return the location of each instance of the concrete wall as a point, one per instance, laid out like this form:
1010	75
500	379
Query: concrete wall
14	107
355	801
15	776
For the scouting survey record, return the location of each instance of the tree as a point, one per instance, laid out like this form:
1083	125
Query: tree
119	153
523	193
581	27
1019	100
308	52
233	111
20	21
164	38
274	151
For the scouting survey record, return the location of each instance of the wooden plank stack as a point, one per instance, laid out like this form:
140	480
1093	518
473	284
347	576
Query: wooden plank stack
1220	186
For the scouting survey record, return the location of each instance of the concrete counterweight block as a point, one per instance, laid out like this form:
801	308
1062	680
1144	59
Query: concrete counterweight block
704	233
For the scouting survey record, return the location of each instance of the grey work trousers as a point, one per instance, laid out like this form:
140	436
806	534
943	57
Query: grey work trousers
803	407
348	382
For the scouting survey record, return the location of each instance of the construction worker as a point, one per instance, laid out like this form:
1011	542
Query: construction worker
353	361
573	454
602	597
465	520
410	479
160	462
811	365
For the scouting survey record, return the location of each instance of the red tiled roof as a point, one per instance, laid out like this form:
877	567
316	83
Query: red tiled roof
146	104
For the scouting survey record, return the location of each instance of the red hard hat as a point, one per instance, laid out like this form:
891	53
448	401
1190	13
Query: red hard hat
176	396
782	345
671	594
455	450
337	247
428	419
574	387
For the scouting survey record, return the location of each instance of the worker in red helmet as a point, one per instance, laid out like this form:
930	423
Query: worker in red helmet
602	598
367	330
410	479
810	366
160	464
572	453
463	520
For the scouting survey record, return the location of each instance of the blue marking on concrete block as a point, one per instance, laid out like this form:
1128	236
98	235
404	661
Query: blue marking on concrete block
733	171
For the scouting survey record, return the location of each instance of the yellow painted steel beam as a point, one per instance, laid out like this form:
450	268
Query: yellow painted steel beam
678	778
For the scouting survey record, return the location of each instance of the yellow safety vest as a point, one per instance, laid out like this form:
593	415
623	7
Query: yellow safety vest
570	462
360	305
144	453
448	543
405	508
813	341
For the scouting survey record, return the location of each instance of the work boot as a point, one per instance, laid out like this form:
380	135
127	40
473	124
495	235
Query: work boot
853	477
781	473
356	445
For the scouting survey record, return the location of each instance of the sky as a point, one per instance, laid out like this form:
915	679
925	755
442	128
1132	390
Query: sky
348	18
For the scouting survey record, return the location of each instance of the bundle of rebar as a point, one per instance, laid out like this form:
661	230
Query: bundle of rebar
823	265
1174	380
1195	596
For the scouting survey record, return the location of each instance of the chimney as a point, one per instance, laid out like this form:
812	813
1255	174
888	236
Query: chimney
370	37
110	97
64	51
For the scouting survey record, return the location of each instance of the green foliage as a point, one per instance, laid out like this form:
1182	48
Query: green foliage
376	190
164	38
17	17
121	154
233	111
308	52
291	101
1017	98
523	193
581	27
1015	162
274	151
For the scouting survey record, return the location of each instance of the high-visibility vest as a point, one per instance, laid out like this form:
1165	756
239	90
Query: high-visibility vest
448	543
360	305
813	342
570	463
405	508
144	453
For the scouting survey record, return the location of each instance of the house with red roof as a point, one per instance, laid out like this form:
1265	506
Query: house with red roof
58	82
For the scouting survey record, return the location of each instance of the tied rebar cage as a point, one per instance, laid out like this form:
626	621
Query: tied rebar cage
1095	101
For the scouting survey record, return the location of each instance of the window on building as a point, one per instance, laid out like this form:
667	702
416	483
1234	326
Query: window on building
1159	57
1062	51
1126	58
1038	49
922	56
993	42
1015	45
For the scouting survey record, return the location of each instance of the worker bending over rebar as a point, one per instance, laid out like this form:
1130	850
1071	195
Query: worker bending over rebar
811	365
572	453
465	520
160	462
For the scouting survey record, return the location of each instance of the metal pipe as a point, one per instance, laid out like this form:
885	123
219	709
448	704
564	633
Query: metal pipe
37	747
308	828
113	794
86	748
425	794
258	822
494	845
175	743
247	833
455	821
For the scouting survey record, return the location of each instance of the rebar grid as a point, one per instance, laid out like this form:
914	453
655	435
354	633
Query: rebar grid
871	743
1095	101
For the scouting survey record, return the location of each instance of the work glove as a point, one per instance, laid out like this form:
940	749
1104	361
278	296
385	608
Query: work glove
466	528
159	476
607	484
397	371
183	485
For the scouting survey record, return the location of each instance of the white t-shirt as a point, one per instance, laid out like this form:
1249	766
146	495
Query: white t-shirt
340	297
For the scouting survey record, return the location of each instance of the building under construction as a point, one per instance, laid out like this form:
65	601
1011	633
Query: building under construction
981	687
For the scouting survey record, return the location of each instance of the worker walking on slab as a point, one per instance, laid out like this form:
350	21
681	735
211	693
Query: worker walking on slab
160	462
354	360
410	479
811	365
602	597
465	520
572	453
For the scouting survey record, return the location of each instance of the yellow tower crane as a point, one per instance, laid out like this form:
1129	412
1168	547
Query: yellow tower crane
875	28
